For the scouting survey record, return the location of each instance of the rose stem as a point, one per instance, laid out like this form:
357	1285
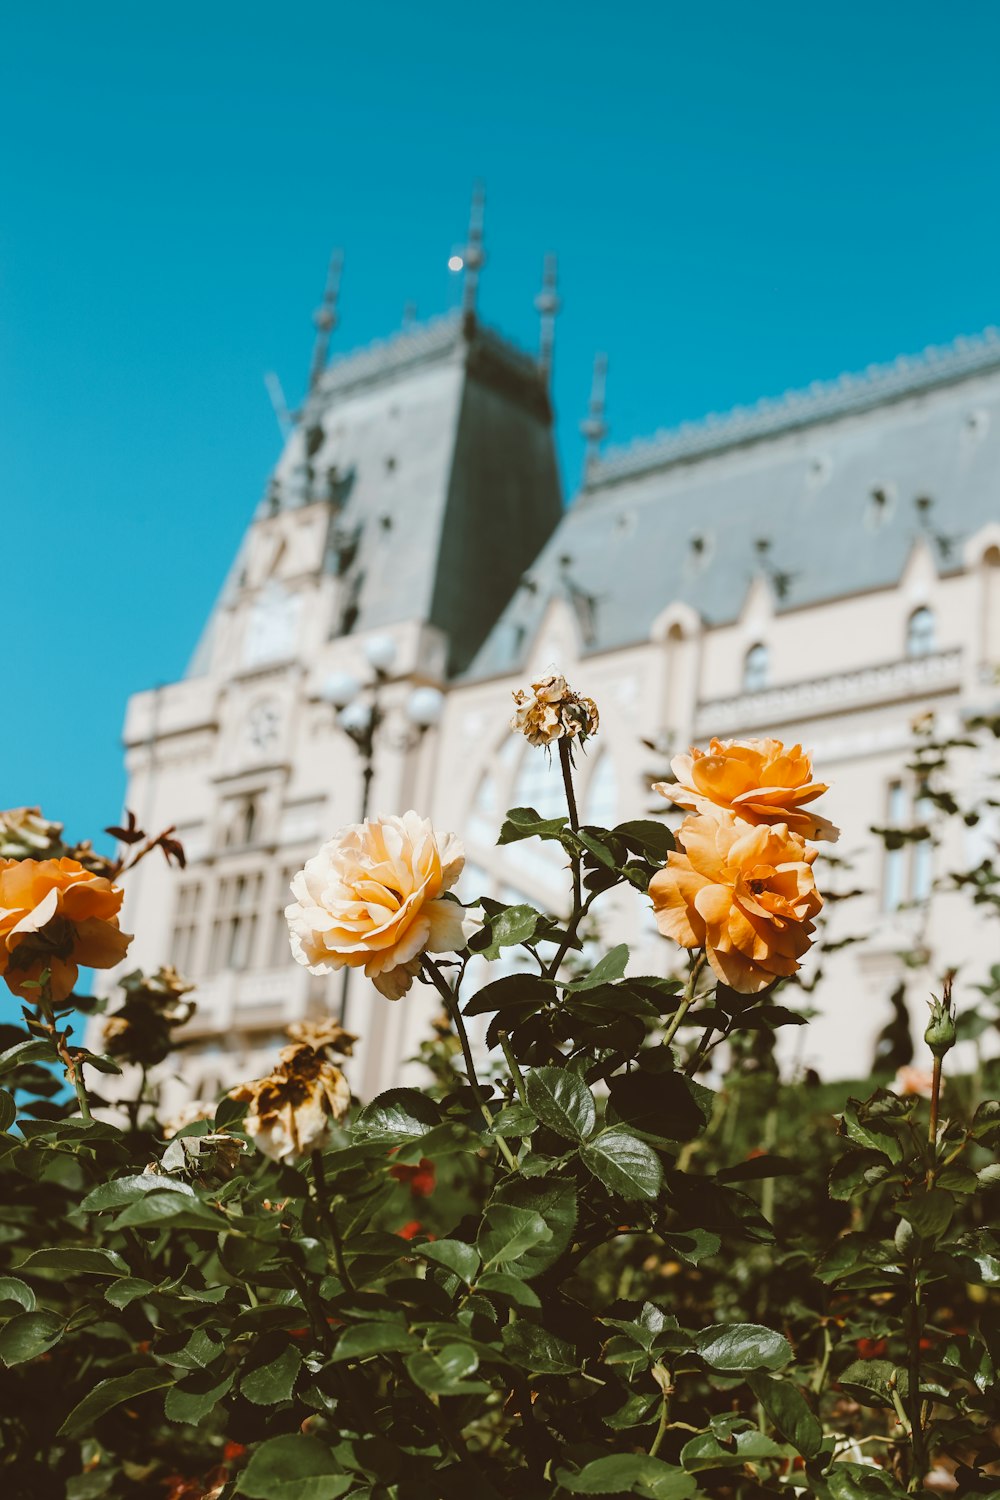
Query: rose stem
447	994
686	1000
73	1068
329	1219
932	1128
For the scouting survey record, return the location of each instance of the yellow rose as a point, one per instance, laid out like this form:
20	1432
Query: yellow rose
552	711
291	1111
56	915
373	898
25	833
757	780
742	892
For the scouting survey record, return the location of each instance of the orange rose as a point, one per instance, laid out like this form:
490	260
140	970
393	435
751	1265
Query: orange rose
56	915
758	780
373	898
745	894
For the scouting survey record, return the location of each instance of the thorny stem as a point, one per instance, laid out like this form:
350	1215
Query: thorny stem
515	1071
687	1000
329	1219
932	1128
580	907
73	1066
915	1425
447	994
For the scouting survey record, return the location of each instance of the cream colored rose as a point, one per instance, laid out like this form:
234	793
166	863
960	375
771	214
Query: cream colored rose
552	711
373	898
26	834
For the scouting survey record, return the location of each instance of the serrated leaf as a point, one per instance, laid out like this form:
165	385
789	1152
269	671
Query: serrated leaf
742	1346
29	1334
363	1340
647	837
611	967
513	993
445	1372
8	1110
510	1288
124	1190
870	1381
872	1136
454	1254
192	1398
274	1381
562	1101
661	1105
512	925
397	1115
33	1049
107	1394
623	1163
12	1289
757	1167
707	1451
123	1292
537	1350
293	1467
507	1233
630	1474
526	823
789	1411
929	1212
555	1201
76	1261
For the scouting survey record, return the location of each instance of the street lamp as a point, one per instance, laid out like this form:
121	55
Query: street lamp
361	714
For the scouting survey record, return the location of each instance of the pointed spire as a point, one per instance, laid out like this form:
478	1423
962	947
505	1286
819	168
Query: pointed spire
473	256
595	429
325	318
547	306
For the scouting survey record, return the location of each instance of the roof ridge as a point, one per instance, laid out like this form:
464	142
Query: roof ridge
849	392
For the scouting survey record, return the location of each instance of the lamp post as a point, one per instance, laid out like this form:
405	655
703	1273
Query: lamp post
361	715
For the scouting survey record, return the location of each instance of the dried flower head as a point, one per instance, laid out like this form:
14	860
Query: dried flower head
26	834
552	711
291	1111
140	1030
55	916
322	1034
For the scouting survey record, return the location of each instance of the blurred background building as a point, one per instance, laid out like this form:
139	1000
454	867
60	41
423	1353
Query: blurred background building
824	567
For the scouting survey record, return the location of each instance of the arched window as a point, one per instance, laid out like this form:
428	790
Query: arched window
920	633
601	801
539	783
756	665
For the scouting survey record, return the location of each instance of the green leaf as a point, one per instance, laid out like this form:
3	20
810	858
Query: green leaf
870	1381
272	1382
623	1163
757	1167
856	1170
455	1254
662	1105
789	1411
929	1212
443	1373
707	1451
31	1050
692	1245
562	1101
510	1288
507	1232
12	1289
867	1133
512	925
647	837
556	1202
28	1334
192	1398
629	1474
8	1110
164	1206
229	1112
536	1349
124	1190
397	1115
526	823
110	1393
513	993
76	1261
125	1291
366	1339
293	1467
612	966
742	1346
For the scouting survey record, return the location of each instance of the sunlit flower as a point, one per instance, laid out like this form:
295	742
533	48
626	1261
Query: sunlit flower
552	711
56	915
744	893
373	898
910	1081
759	781
291	1111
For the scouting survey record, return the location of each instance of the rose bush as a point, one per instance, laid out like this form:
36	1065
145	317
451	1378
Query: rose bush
565	1267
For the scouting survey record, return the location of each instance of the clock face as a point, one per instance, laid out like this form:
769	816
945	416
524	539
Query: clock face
263	726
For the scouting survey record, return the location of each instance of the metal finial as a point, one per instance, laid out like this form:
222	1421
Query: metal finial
547	305
325	318
595	429
473	256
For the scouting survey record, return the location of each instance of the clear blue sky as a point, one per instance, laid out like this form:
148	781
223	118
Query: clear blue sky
743	198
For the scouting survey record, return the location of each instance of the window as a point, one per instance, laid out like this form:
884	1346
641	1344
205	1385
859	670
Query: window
539	784
601	803
920	633
907	871
756	666
185	935
234	925
280	953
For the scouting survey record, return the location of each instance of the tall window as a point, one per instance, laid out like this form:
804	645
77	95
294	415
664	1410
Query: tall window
185	935
601	802
539	783
280	953
234	925
920	632
756	666
894	866
907	871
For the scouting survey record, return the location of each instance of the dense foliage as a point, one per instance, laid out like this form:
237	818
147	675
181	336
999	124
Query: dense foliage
591	1274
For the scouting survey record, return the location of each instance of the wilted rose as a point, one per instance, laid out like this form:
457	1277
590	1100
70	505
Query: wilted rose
291	1111
373	898
26	834
744	893
759	781
56	915
552	711
140	1030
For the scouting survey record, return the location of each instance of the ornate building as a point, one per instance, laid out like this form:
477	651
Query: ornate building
823	567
